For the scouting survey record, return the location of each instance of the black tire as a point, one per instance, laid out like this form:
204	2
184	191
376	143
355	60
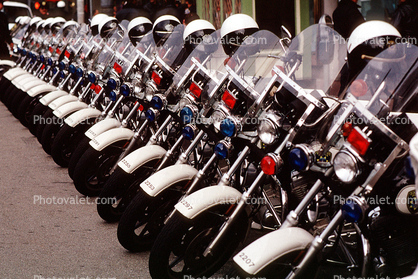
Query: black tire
65	142
83	145
4	86
9	95
50	132
25	109
15	102
118	182
92	171
43	122
144	219
34	117
185	240
122	188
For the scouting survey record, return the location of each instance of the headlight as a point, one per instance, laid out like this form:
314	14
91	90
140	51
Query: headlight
217	117
267	131
346	166
301	157
229	127
150	90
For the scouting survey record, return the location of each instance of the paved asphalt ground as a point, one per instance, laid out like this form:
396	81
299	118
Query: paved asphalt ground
47	228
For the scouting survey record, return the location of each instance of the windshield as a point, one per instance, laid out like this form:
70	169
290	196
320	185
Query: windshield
316	55
209	53
125	56
171	51
379	85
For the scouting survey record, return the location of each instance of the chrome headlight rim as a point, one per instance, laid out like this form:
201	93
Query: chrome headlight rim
216	121
272	131
339	169
194	112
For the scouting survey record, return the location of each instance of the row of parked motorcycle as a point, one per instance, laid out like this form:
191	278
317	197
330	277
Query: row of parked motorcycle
194	137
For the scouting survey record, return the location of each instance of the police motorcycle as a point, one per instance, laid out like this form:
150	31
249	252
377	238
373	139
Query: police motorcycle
86	43
24	82
99	82
65	35
145	47
105	150
126	62
362	234
182	97
37	86
216	216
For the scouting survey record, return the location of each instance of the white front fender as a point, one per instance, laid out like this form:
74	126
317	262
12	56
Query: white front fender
6	62
20	80
265	250
39	89
201	200
69	108
13	73
31	84
50	97
62	101
109	137
82	115
165	178
101	127
140	157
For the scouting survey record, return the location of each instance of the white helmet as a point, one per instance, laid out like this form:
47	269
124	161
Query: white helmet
235	30
163	27
47	24
195	32
107	26
61	4
94	24
138	28
368	40
34	20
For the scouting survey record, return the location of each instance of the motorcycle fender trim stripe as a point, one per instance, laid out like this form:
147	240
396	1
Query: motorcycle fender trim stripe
140	157
62	100
50	97
101	127
199	201
81	115
29	85
265	250
41	89
109	137
165	178
69	108
13	73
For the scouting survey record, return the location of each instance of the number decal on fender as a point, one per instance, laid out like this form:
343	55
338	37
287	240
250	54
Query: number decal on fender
246	259
149	185
186	205
126	163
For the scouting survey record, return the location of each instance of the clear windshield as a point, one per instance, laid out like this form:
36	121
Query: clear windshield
170	51
21	33
125	56
147	45
321	52
252	63
209	53
379	85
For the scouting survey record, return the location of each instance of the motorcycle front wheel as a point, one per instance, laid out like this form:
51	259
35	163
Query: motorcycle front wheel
178	249
144	218
93	169
65	142
120	190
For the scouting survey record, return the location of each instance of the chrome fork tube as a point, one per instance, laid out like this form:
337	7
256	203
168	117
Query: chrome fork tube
183	157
